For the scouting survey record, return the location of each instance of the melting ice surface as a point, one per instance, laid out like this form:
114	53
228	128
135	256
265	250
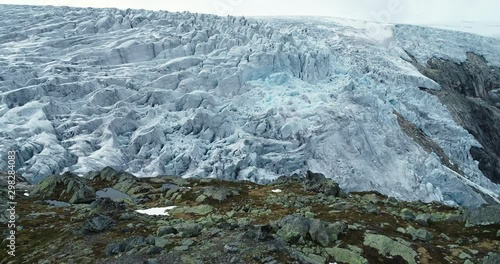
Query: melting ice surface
195	95
157	210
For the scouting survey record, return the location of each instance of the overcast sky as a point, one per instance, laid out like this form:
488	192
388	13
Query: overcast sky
421	11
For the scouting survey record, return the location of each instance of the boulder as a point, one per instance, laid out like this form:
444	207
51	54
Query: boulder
293	227
407	215
318	232
317	182
115	248
165	230
121	181
109	175
492	258
106	205
423	219
421	234
67	187
346	255
188	229
97	223
135	242
203	209
393	247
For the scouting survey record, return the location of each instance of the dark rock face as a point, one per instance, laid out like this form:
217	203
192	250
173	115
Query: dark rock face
312	182
107	205
109	174
66	187
470	91
97	224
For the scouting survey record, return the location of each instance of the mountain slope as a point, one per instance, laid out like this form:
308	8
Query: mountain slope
158	93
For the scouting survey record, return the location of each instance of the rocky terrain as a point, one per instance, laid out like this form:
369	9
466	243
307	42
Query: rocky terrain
108	217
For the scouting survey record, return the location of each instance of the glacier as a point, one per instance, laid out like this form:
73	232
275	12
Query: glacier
197	95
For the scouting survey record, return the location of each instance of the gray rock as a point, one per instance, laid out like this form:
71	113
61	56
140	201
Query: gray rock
346	255
110	175
201	198
218	193
317	182
135	242
67	187
389	246
423	219
420	234
486	215
464	255
181	248
188	229
165	230
105	205
203	209
115	248
372	209
337	228
407	215
162	242
318	231
492	258
153	250
231	248
97	223
445	237
292	227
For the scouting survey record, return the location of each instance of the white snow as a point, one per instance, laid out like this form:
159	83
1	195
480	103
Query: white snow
159	93
277	191
157	210
485	28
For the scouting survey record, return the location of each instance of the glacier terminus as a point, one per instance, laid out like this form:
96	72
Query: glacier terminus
196	95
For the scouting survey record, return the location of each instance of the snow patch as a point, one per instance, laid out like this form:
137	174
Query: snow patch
157	210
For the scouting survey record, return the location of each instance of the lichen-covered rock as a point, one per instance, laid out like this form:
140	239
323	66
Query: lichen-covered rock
293	227
420	234
392	247
66	188
318	231
346	256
